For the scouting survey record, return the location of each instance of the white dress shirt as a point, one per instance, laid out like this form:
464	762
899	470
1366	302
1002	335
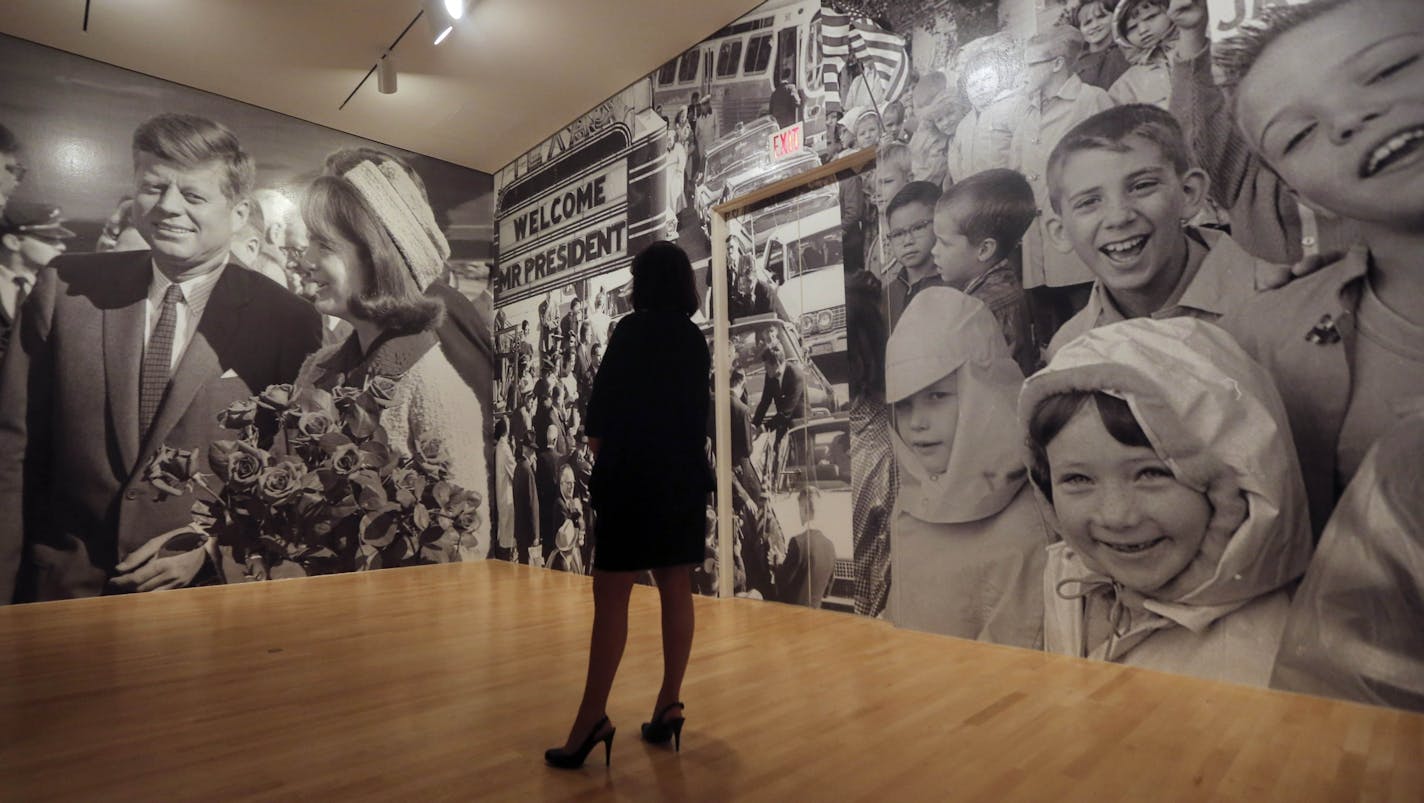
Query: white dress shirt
10	292
196	293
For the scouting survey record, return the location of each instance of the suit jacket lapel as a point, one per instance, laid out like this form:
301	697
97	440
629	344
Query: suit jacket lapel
123	352
216	334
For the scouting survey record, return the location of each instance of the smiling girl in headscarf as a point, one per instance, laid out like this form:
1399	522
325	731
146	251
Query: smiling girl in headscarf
967	541
1164	458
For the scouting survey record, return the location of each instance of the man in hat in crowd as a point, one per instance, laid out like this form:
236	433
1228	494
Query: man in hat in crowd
31	235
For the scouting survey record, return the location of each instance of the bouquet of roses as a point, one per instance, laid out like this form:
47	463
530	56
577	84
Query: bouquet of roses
310	485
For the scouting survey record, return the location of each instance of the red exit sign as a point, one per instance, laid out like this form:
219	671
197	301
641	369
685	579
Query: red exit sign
786	142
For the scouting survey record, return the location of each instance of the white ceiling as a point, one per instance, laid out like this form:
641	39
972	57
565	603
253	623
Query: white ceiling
512	73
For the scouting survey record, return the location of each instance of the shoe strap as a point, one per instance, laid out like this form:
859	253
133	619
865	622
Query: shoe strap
663	711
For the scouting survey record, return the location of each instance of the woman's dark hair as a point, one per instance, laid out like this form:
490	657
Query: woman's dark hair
334	209
500	428
662	279
1054	413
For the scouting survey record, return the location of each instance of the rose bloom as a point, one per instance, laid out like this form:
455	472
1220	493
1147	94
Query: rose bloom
430	454
239	414
382	390
344	395
276	397
236	462
278	483
346	458
313	425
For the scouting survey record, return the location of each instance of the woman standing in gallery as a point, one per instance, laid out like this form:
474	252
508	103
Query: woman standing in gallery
647	419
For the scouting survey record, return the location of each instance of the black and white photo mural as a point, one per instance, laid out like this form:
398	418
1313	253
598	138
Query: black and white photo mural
1114	351
236	346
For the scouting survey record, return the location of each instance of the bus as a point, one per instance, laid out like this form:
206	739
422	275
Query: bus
735	67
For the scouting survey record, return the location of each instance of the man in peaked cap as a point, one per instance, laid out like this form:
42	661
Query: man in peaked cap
31	235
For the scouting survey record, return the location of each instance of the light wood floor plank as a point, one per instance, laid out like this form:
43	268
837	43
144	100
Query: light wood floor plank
446	683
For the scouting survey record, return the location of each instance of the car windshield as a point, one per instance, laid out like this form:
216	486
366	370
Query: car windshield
822	453
749	150
749	341
812	253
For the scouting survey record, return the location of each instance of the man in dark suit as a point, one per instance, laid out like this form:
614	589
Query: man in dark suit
784	385
546	481
118	354
805	576
527	512
569	327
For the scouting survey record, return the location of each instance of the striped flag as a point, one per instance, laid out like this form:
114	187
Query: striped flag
880	54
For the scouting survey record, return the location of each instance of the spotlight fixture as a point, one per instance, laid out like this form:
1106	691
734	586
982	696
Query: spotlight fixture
386	74
442	15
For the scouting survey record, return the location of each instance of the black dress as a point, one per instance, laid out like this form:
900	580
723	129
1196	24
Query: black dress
649	408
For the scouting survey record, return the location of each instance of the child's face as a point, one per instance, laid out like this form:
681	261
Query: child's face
1122	214
911	233
927	421
1095	23
889	179
958	259
1120	507
1336	107
867	130
1147	24
894	123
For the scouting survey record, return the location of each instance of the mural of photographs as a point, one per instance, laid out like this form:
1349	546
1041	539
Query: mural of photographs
239	464
1090	359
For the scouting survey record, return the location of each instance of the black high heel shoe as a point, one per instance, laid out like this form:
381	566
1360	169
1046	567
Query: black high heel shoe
663	728
572	760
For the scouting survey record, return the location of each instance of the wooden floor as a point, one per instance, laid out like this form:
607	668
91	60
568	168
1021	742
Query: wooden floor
447	683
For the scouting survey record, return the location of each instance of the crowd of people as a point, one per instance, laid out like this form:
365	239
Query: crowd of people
1182	310
542	459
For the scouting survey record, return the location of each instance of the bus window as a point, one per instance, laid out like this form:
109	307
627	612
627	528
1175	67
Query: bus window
667	73
758	54
687	71
728	58
786	54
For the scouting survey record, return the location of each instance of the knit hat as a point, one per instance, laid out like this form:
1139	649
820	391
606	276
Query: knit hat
406	216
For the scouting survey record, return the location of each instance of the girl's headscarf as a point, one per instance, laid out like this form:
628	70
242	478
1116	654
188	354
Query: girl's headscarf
1152	54
943	332
1214	416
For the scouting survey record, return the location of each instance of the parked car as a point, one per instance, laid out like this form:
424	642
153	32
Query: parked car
740	162
810	454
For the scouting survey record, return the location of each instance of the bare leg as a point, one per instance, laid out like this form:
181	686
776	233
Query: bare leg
605	651
675	592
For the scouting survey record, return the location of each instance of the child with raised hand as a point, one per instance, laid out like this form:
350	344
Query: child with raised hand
1146	34
967	542
1160	451
1122	187
1268	220
978	227
1330	95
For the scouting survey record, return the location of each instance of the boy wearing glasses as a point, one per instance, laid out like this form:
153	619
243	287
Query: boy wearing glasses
909	221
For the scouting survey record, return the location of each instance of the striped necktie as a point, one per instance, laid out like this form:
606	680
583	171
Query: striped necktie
22	292
157	361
